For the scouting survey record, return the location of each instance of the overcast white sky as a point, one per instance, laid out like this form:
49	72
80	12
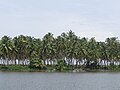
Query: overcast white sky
87	18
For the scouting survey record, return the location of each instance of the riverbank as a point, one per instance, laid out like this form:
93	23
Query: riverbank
21	68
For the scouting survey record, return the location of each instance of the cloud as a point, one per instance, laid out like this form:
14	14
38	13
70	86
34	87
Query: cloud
95	18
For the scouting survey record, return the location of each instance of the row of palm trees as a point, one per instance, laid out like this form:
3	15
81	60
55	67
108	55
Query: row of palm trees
50	50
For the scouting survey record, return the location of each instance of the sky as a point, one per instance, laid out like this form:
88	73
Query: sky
87	18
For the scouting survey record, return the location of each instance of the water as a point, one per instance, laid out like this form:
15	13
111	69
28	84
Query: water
59	81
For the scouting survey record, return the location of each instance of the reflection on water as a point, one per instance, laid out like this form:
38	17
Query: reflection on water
59	81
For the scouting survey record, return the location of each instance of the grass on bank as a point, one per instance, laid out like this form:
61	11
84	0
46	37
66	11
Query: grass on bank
14	68
58	68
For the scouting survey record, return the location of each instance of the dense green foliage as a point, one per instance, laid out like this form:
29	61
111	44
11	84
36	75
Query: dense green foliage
66	51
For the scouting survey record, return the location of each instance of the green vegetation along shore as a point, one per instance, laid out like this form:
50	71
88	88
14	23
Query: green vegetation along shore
66	52
21	68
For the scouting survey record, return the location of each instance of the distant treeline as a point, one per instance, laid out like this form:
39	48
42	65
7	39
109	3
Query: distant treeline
63	51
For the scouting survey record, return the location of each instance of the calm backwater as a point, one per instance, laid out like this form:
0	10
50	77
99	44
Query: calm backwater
59	81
